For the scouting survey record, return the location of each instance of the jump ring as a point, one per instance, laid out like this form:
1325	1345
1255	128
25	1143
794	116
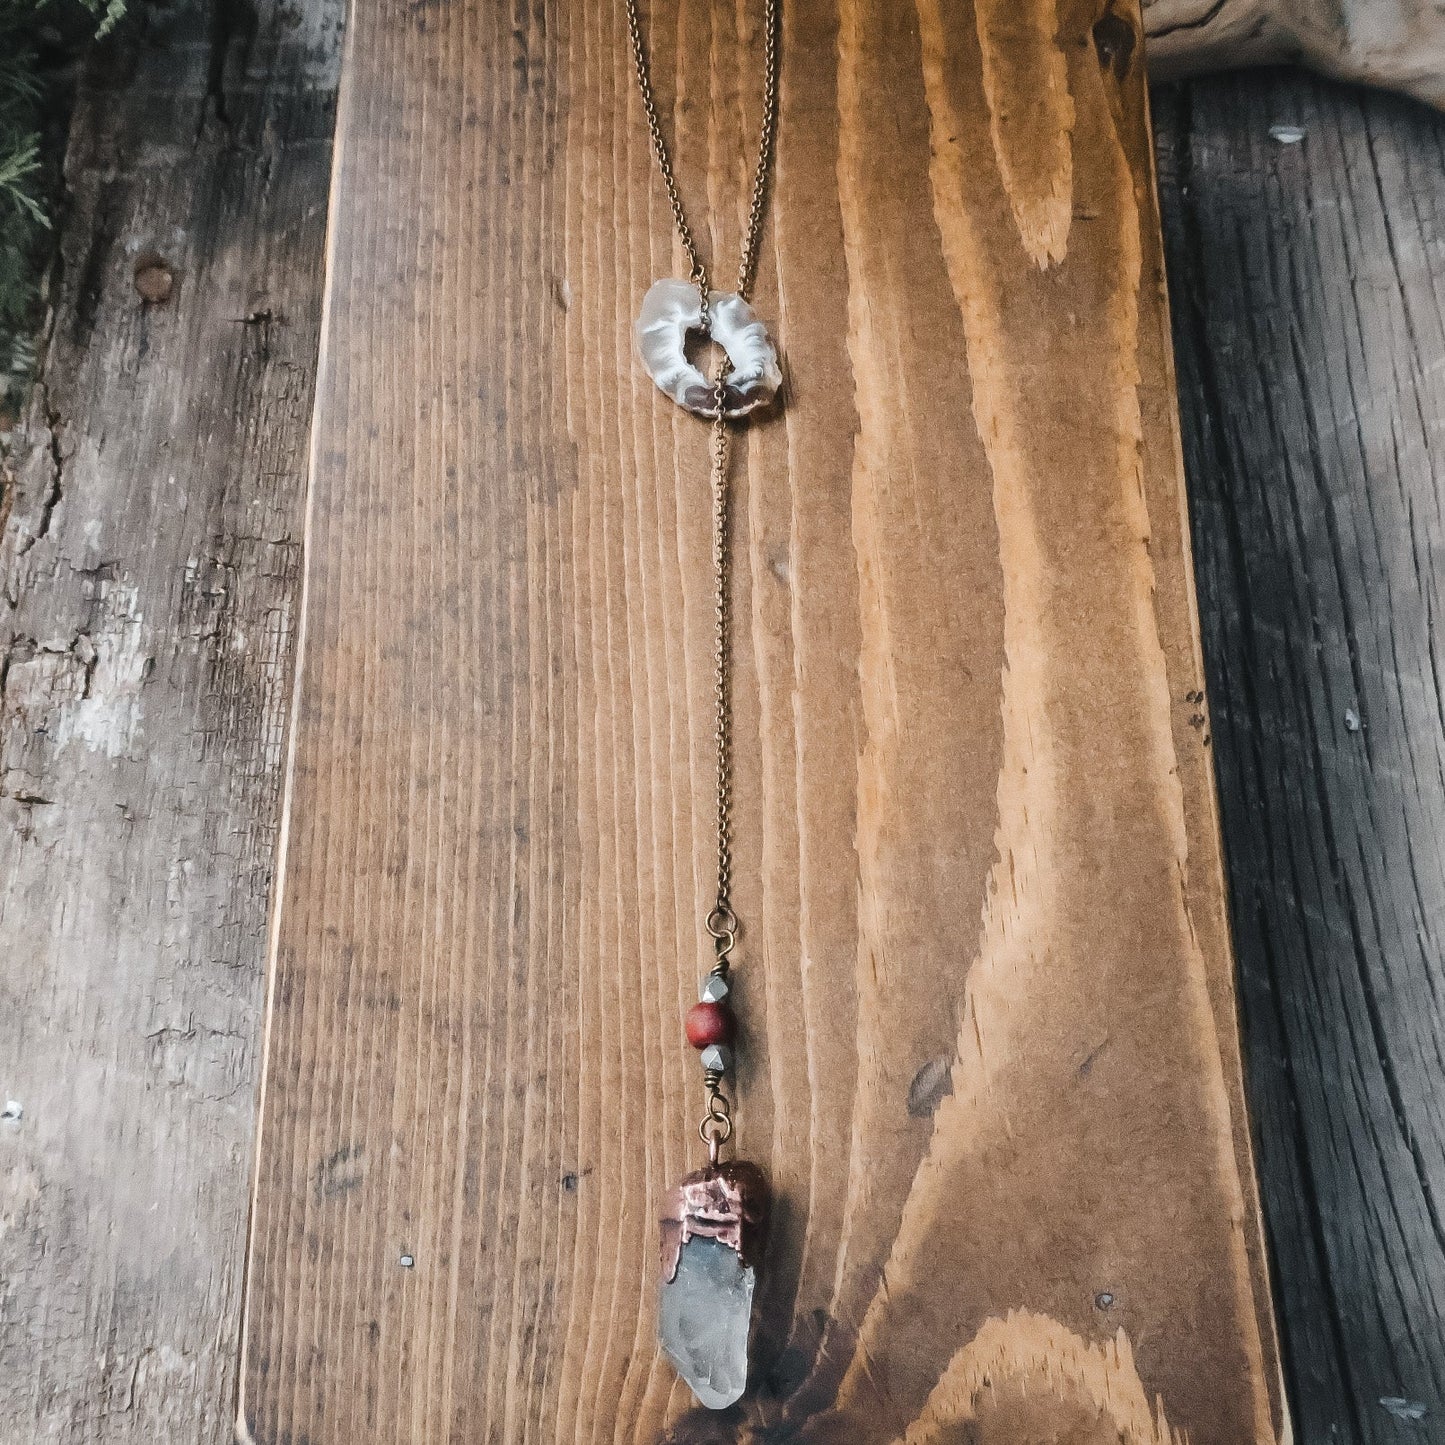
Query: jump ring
722	923
714	1126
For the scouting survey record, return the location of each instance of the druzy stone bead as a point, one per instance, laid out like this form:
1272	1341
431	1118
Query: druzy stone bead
708	1024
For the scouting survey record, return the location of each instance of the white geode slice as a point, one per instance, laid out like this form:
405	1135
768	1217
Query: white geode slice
671	312
704	1318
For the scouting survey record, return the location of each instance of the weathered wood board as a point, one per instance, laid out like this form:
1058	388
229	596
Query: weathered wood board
991	1063
1311	340
148	570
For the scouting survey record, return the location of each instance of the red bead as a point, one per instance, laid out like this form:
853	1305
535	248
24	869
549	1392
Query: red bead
708	1024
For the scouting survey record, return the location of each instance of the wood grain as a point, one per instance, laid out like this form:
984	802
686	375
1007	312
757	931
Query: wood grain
149	562
990	1062
1310	330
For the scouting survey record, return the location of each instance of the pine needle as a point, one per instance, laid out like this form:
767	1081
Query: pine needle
25	207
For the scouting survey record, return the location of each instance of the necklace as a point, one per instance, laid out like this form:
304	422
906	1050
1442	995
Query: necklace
714	1218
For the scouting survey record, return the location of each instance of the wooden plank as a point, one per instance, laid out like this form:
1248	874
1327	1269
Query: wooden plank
991	1063
1311	335
148	563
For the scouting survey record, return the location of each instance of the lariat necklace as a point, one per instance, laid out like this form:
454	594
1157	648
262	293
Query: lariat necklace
713	1219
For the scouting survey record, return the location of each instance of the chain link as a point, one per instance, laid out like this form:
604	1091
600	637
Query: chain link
721	922
723	938
717	1124
767	137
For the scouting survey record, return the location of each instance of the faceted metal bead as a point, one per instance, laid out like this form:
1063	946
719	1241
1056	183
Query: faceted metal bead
712	989
717	1056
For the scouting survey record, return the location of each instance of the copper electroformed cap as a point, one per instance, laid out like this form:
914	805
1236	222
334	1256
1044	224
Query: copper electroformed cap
727	1202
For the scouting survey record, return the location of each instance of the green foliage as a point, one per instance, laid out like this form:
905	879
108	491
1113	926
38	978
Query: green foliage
21	210
28	32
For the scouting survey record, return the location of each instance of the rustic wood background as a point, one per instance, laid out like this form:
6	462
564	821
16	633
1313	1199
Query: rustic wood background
135	883
1308	282
990	1055
150	570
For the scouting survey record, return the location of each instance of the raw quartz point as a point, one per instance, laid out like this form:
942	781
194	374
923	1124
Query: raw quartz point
712	1228
704	1318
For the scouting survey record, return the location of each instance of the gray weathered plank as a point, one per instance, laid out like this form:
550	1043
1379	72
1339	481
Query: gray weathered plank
1307	284
148	578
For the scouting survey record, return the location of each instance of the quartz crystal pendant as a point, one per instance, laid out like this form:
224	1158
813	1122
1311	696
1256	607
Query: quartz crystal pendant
713	1224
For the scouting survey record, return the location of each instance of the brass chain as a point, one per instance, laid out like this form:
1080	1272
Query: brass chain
721	922
758	196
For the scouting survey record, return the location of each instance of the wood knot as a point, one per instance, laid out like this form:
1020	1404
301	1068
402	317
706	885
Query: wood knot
1115	42
154	279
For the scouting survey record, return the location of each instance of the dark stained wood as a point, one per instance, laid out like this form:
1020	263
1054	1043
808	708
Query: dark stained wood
990	1060
1307	285
149	570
